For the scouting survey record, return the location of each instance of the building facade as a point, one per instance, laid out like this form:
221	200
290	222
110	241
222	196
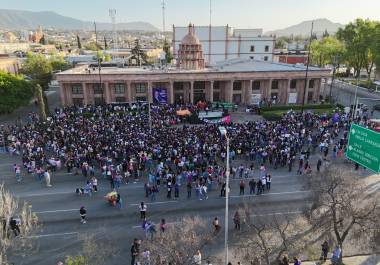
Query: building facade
222	43
241	81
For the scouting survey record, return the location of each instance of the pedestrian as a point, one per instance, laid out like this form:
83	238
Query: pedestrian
325	250
189	188
237	220
94	182
198	258
83	214
14	226
242	187
142	209
284	260
216	225
169	187
17	170
252	186
269	181
336	255
47	178
163	225
119	201
176	191
223	190
296	261
135	251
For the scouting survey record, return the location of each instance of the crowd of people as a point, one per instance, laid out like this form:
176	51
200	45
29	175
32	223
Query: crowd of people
117	143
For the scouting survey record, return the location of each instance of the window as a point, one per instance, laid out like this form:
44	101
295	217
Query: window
77	89
78	101
140	88
311	83
216	96
141	99
120	99
237	85
252	48
265	58
275	84
266	48
97	88
293	83
252	57
119	88
256	85
217	85
309	96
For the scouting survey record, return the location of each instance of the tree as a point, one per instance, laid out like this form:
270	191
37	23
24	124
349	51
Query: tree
358	40
9	242
324	50
42	40
95	251
107	58
15	91
58	63
168	53
180	242
138	53
79	43
342	208
325	34
280	43
40	70
267	239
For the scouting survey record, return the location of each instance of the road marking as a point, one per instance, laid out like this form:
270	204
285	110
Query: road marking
267	194
279	213
46	194
57	211
152	203
140	226
52	235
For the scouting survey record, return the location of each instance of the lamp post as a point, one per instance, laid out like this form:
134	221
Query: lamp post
307	67
335	64
223	132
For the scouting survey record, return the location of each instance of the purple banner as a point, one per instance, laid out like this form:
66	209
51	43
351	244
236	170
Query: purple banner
160	95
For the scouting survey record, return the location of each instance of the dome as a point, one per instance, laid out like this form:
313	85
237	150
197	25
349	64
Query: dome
190	38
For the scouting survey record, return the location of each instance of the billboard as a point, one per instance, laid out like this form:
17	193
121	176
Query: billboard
160	95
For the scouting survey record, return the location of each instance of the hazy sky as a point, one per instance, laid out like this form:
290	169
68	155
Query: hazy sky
267	14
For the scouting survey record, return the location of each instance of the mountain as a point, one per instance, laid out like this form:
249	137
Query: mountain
303	28
27	20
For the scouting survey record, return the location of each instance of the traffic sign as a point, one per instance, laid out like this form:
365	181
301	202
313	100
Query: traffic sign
364	147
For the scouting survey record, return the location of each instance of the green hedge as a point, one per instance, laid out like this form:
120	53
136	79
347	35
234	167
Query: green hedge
297	107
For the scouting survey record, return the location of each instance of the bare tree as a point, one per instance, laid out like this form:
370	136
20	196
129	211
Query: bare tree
180	242
97	248
342	207
18	224
267	238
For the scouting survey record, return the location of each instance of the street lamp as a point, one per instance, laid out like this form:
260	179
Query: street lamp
223	132
335	62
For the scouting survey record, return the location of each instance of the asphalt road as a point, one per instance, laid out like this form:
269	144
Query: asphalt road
58	209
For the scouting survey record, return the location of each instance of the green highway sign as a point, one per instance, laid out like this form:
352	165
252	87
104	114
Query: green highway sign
364	147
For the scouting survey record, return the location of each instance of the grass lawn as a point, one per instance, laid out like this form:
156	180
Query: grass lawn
277	114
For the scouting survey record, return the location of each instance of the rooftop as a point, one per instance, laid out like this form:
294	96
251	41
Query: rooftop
229	66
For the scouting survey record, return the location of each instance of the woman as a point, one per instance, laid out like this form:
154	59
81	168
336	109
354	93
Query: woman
142	209
237	220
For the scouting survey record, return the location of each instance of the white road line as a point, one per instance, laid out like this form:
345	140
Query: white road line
152	203
46	194
267	194
52	235
57	211
279	213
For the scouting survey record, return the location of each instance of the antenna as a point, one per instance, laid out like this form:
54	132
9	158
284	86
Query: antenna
112	14
163	16
210	10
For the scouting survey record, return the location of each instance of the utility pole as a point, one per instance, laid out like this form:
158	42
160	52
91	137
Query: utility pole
112	13
99	66
307	67
335	63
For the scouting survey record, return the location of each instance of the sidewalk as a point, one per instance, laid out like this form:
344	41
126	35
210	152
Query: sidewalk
355	260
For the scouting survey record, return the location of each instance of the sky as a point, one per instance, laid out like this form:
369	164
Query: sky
266	14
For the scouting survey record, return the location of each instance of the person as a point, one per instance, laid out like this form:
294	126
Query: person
252	186
325	250
216	225
198	258
242	187
83	213
14	226
146	257
135	251
189	188
284	260
119	201
47	178
142	209
163	225
94	182
17	170
237	220
296	261
223	190
269	181
336	255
